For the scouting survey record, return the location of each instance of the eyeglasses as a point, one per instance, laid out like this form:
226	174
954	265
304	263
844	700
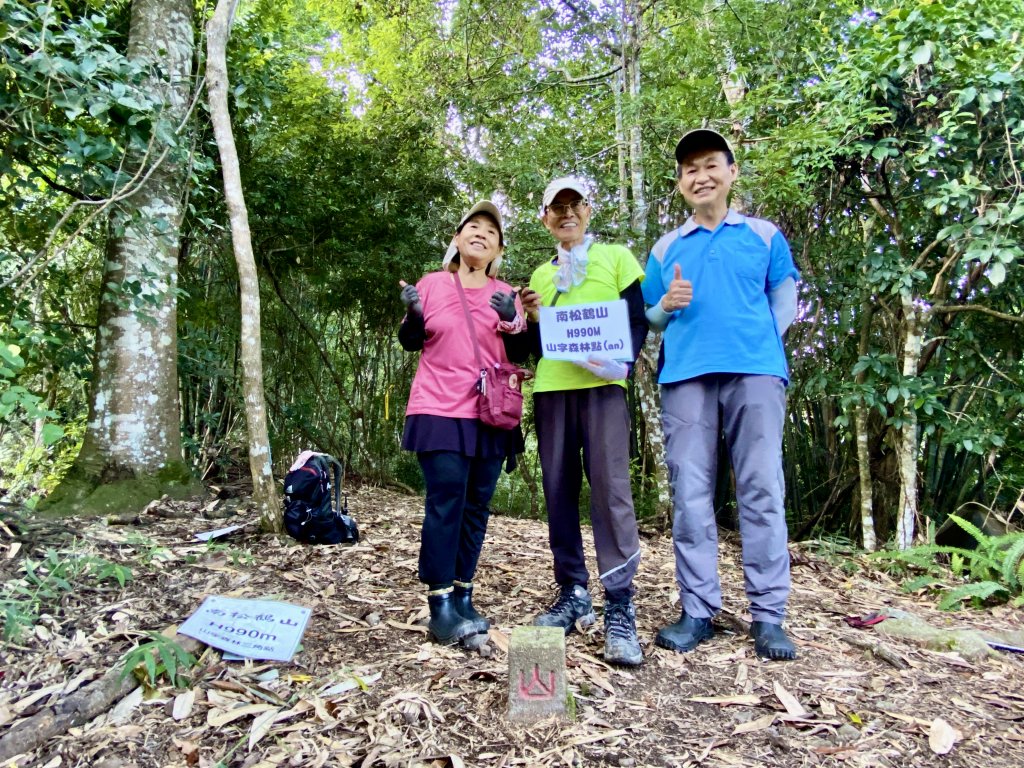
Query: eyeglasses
560	209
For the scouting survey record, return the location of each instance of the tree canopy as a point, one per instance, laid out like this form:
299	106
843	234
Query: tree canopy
885	142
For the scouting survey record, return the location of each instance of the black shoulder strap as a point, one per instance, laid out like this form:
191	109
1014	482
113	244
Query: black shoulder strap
337	479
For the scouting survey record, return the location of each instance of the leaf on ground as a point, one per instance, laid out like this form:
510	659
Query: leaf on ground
788	700
499	639
183	704
220	717
760	724
126	705
942	736
352	683
598	679
408	627
261	726
741	699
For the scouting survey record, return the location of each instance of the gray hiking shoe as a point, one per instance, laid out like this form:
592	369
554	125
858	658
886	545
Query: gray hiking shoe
573	607
621	645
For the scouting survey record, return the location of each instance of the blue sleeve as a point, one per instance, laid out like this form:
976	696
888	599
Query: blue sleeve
781	263
653	288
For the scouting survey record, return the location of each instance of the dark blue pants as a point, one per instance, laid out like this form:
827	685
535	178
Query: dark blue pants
459	488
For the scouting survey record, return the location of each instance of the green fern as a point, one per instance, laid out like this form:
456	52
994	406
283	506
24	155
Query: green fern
979	591
921	582
995	569
1013	563
976	533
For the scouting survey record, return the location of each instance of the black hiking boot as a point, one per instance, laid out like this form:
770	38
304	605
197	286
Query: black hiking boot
621	645
446	626
462	596
572	608
770	641
685	634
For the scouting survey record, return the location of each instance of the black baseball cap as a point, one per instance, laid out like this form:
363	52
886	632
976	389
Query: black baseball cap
700	139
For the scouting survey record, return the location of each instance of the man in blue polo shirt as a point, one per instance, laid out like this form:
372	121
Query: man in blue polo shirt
722	287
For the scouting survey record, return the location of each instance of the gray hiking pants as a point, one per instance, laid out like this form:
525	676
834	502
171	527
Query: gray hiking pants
752	411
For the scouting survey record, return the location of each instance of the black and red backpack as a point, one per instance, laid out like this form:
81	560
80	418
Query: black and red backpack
311	514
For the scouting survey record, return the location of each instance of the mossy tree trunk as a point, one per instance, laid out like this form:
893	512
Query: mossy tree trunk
133	436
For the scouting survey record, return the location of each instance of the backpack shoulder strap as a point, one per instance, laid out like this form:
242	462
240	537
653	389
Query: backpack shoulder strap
337	480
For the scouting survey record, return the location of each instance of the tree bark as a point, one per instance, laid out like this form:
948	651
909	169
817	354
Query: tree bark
860	427
632	19
908	449
133	431
618	86
650	408
263	488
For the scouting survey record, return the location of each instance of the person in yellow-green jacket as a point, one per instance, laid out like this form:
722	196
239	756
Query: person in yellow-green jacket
583	425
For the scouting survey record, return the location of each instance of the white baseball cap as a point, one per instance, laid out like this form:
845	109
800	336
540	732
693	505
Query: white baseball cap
566	182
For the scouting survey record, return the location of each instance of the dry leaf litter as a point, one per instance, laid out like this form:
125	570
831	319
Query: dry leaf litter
367	688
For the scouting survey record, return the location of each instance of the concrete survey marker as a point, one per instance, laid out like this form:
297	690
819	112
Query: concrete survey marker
536	673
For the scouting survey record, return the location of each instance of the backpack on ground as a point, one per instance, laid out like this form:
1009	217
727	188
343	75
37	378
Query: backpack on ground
311	515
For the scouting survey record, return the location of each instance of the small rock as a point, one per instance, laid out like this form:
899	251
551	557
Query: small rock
777	740
626	762
847	734
372	619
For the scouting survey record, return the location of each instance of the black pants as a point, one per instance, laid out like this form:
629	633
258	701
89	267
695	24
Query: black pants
459	488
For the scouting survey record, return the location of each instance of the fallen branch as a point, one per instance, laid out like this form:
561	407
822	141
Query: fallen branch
75	710
884	652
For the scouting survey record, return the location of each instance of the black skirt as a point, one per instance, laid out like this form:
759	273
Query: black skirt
470	437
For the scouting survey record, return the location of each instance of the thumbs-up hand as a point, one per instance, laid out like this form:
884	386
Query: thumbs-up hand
679	294
411	299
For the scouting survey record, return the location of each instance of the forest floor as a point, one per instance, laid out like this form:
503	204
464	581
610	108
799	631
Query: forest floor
368	689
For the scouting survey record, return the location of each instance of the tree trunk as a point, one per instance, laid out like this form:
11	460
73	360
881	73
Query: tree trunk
907	510
263	489
632	16
618	86
860	426
650	408
133	433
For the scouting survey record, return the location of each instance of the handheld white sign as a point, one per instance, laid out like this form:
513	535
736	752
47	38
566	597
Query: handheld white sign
576	332
255	629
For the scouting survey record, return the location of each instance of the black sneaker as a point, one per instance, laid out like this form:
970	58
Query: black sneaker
572	608
621	645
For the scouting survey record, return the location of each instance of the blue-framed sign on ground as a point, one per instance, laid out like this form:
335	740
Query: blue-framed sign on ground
581	330
255	629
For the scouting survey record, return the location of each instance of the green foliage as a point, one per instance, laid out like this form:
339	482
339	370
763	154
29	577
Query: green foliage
234	555
886	143
147	550
993	570
45	582
159	656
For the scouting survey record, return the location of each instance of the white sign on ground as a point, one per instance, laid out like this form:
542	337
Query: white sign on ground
207	535
255	629
576	332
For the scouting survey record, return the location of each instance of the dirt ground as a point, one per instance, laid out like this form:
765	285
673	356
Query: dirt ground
368	689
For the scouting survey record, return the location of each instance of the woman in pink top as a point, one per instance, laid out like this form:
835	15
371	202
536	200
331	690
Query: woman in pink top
461	457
